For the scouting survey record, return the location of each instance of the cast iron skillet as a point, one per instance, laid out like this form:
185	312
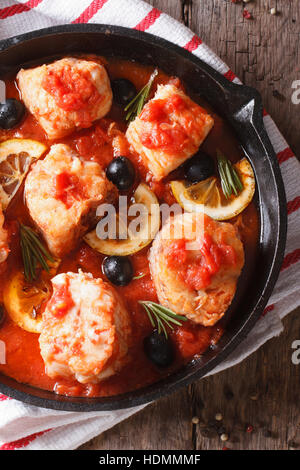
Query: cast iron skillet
241	106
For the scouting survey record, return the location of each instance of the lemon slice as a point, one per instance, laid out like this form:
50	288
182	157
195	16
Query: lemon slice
207	196
22	300
149	222
16	156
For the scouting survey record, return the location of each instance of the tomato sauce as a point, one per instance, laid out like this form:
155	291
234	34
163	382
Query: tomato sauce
66	188
24	362
72	91
163	134
197	271
61	301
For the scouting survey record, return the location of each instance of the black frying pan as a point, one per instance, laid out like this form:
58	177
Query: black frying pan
241	106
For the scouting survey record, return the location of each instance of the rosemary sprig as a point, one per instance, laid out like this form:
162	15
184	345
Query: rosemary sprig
140	276
33	253
160	316
230	180
135	106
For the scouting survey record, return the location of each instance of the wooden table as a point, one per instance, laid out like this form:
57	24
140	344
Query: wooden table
263	391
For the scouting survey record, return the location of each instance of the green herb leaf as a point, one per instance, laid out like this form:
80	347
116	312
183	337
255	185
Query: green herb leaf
135	106
139	277
33	253
161	316
230	180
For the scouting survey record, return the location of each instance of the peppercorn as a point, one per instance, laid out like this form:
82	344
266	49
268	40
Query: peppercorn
221	430
247	15
292	445
228	393
208	432
278	95
254	395
267	433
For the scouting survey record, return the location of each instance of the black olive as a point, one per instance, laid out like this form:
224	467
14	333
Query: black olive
2	315
123	90
11	113
118	270
121	172
159	349
198	168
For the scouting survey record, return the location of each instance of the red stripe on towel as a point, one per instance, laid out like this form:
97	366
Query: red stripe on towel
4	397
293	205
285	155
149	20
268	309
90	11
291	258
193	44
24	442
230	75
19	8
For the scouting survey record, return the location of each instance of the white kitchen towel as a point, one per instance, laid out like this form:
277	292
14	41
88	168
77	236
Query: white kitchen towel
28	427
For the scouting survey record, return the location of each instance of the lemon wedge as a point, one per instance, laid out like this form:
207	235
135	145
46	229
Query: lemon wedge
23	300
207	196
16	156
149	223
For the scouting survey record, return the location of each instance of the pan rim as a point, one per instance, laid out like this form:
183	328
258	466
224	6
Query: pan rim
169	385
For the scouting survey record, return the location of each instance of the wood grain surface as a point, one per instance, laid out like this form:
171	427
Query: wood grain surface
259	398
